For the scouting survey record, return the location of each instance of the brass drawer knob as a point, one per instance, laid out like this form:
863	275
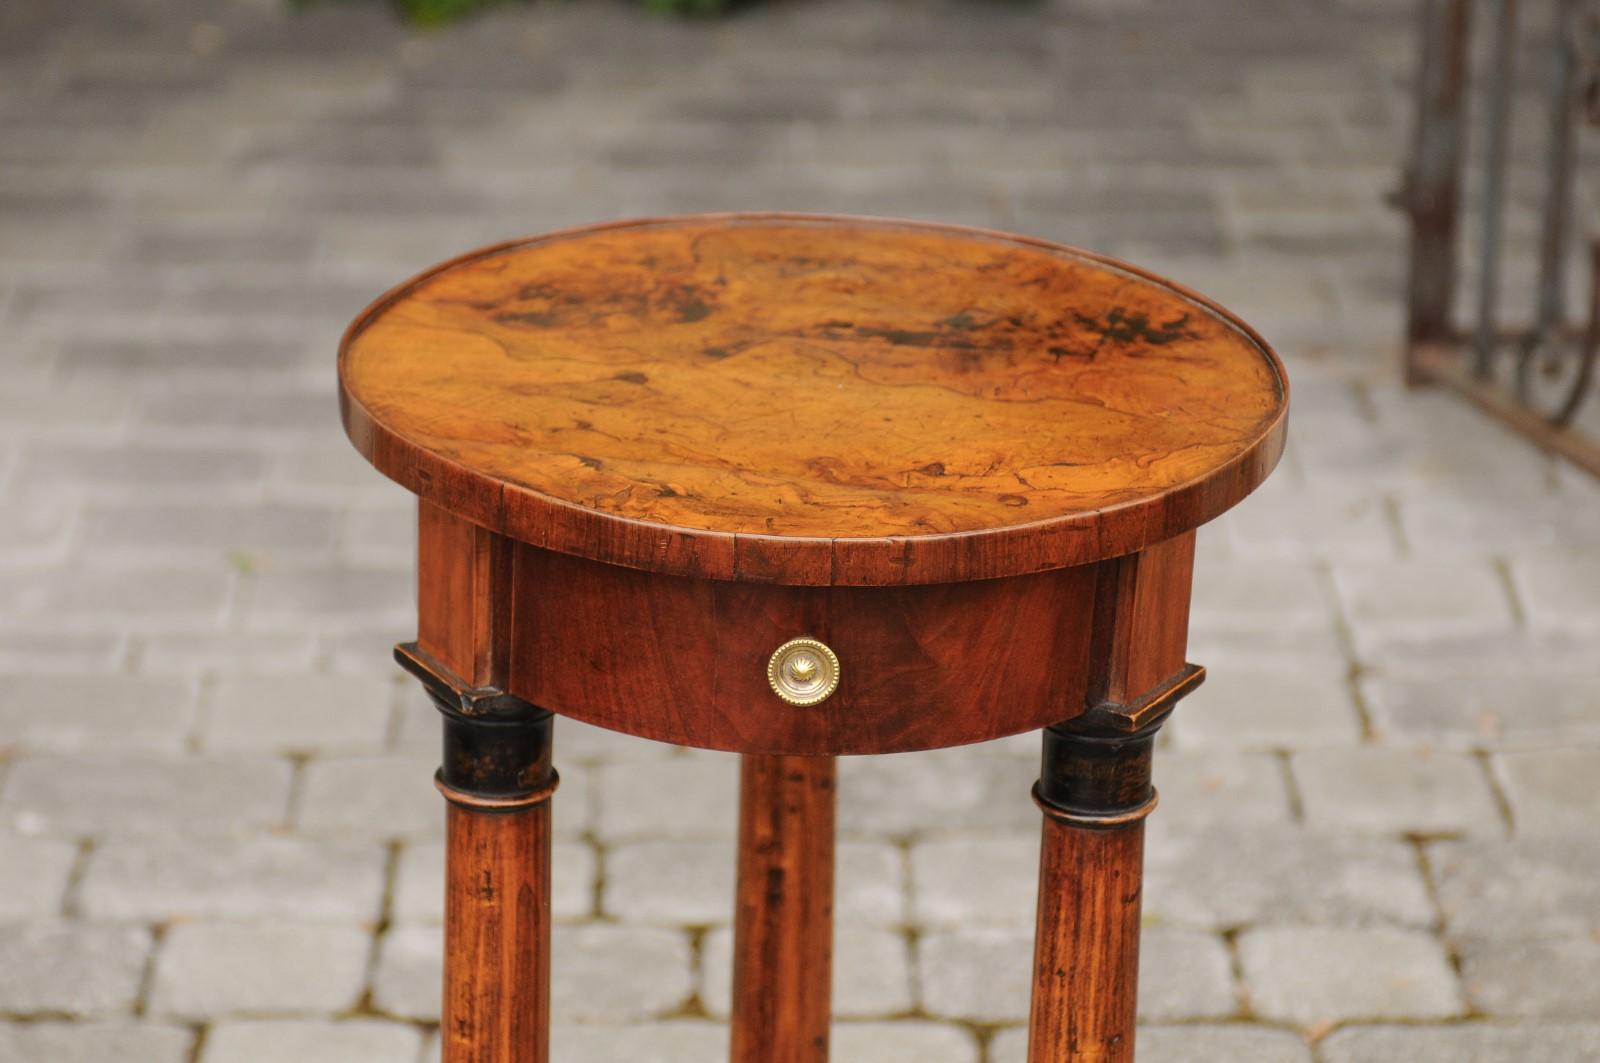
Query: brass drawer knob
803	671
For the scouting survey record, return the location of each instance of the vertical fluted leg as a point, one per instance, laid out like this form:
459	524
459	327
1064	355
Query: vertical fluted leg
783	921
1094	791
497	935
498	780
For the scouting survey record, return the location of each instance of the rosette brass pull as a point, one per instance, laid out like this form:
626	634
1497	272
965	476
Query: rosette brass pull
803	671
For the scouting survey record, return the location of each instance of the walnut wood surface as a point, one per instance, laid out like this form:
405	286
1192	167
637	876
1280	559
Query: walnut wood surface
497	936
1141	621
497	878
1086	947
685	661
1086	943
463	595
812	401
783	914
648	454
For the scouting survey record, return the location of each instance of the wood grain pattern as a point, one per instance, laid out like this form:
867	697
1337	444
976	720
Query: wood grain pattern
496	1006
1158	617
497	936
463	595
783	914
685	661
647	454
1141	620
812	401
1086	948
1095	791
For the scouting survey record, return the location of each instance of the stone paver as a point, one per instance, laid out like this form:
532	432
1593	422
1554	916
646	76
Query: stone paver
386	797
610	973
1479	708
1285	521
889	1042
1527	885
691	1041
205	653
684	883
1259	594
95	1042
33	877
1532	975
933	793
619	973
212	970
161	599
1471	520
870	883
1551	791
184	533
1559	593
297	713
1396	791
1301	704
979	974
1184	975
62	653
100	793
665	1042
311	1041
1222	879
968	881
1202	790
374	796
1315	975
71	714
871	972
704	799
583	743
202	733
326	598
1199	1043
406	981
982	974
86	969
690	883
179	877
1468	1043
1420	601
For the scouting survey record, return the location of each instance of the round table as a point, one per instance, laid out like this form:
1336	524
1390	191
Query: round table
797	487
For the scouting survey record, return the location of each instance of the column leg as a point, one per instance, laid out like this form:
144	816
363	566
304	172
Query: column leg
1095	791
498	779
783	920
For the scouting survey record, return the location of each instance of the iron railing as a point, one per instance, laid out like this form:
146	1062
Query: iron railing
1539	374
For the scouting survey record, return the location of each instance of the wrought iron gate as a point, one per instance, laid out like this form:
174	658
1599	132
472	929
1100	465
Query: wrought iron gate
1536	375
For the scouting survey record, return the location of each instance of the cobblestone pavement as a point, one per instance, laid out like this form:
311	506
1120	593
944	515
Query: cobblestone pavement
218	841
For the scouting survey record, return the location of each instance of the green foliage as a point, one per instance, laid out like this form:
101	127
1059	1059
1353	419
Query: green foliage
438	12
688	7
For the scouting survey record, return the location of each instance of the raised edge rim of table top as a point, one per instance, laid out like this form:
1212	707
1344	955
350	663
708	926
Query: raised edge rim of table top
1072	538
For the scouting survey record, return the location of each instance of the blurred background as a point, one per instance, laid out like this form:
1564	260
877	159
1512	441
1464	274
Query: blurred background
218	837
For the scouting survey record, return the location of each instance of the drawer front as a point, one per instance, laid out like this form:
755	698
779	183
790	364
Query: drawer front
688	661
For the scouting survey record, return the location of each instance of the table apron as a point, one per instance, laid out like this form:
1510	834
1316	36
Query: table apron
685	661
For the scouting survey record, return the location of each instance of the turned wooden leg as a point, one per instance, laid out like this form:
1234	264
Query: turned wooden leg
783	920
497	777
1095	791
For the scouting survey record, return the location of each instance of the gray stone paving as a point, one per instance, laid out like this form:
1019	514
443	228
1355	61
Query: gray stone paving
218	841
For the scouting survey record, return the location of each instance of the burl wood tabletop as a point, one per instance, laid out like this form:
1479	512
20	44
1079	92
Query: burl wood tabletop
813	400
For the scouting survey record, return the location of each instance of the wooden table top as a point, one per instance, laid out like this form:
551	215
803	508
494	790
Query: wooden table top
811	400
